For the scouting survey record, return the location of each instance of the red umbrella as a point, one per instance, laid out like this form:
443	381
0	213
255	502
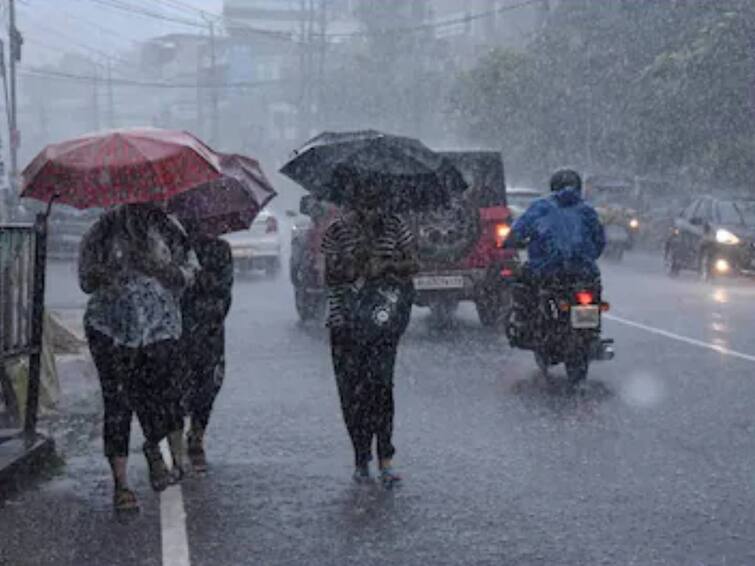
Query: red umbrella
120	167
228	204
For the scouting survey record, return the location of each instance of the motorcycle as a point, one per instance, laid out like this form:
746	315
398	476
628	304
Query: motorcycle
560	322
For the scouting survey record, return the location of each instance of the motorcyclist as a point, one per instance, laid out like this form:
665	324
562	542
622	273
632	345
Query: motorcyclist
564	239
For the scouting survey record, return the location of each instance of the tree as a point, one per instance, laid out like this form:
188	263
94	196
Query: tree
640	86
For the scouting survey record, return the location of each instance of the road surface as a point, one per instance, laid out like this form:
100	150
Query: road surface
650	463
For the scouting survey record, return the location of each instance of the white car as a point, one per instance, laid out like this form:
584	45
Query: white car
519	199
259	247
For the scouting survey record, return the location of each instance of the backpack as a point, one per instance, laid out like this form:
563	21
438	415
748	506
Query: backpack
380	310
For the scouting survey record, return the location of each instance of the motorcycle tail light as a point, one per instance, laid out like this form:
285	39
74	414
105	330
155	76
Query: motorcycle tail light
584	297
501	232
271	225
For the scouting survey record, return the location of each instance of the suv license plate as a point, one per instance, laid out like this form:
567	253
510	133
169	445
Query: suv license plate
585	316
433	282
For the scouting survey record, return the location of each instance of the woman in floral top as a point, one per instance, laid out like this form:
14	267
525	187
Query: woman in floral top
135	263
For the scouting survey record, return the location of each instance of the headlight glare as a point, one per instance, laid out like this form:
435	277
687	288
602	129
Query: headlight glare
723	236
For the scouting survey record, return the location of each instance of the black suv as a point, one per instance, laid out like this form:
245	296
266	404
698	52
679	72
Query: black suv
714	237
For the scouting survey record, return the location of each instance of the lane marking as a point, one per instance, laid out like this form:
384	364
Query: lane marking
175	542
685	339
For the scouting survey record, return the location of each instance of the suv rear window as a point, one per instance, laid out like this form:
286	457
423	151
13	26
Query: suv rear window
483	172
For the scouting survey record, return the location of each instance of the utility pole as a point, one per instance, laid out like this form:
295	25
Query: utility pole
15	56
110	101
213	73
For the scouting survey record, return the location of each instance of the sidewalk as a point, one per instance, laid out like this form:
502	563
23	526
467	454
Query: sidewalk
77	403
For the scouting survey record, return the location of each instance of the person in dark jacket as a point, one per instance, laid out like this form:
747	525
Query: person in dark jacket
204	307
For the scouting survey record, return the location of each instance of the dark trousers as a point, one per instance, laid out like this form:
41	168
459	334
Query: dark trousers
136	380
364	375
204	354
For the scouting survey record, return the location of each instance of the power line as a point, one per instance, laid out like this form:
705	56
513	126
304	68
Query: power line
32	72
81	45
122	6
441	24
131	9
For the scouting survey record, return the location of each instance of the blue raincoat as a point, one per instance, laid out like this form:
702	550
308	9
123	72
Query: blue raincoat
564	233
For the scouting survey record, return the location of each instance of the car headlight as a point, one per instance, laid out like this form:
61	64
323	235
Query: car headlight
634	224
723	236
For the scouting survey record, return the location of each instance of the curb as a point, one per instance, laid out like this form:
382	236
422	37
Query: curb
21	460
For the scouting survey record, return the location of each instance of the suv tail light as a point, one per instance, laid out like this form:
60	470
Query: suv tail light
501	231
584	297
271	225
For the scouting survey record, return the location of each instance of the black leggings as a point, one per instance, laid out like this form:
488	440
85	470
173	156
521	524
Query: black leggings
364	375
140	380
204	354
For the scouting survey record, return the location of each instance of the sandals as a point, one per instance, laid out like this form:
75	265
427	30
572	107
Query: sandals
159	476
389	478
125	501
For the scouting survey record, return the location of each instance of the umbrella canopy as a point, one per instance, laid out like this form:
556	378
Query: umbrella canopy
119	167
333	166
227	204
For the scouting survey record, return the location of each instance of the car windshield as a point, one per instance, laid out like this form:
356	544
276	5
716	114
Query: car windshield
737	212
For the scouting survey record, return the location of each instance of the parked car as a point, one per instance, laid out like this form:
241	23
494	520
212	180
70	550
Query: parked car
715	237
259	247
461	247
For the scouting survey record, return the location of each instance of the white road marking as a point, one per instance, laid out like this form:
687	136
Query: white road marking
175	543
685	339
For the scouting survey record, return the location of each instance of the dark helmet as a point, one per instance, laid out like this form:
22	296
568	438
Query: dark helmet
566	178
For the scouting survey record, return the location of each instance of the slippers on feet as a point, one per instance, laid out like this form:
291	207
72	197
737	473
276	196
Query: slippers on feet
125	501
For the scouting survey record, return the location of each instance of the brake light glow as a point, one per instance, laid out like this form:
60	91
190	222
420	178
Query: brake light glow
584	297
271	225
502	232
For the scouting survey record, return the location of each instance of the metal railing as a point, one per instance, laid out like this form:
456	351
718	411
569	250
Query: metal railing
22	283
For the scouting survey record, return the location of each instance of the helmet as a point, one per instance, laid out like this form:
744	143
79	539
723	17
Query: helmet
565	178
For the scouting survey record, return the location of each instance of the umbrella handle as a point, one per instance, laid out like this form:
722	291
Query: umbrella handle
52	200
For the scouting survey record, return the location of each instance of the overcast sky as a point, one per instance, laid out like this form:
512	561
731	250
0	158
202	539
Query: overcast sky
89	26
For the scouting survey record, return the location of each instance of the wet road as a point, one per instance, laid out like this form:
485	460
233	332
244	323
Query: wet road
650	463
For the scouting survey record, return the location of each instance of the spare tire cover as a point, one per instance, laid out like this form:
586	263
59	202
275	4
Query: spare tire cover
447	234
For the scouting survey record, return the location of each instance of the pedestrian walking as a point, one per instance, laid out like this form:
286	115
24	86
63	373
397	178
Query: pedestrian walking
204	307
370	257
134	263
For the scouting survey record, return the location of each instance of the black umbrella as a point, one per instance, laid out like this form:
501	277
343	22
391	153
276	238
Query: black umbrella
335	165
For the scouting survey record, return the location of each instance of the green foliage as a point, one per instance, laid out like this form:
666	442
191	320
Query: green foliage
661	87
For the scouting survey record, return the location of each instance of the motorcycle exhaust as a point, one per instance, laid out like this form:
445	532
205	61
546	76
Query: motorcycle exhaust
605	351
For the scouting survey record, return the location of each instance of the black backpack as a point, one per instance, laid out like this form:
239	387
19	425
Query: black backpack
381	309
